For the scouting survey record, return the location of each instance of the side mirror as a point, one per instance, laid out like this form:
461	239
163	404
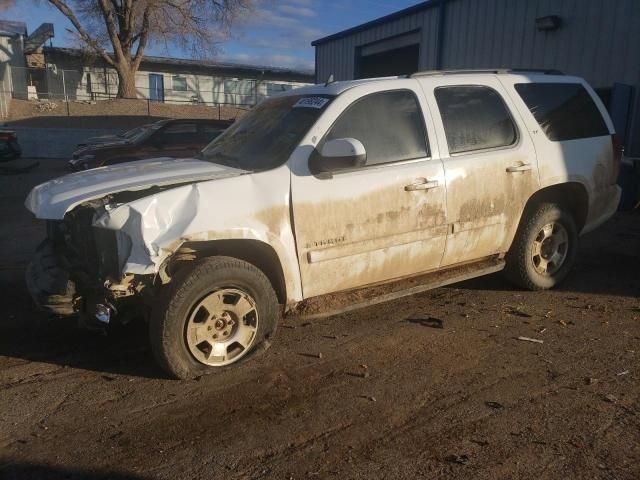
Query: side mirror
338	154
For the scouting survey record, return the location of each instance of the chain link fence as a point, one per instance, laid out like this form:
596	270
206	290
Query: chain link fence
53	84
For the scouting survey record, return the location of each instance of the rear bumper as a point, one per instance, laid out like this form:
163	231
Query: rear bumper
603	208
48	282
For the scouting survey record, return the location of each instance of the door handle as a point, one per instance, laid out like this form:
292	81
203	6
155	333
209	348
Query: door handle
519	168
421	184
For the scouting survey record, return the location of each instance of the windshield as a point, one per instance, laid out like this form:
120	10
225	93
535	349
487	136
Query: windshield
146	131
266	136
134	132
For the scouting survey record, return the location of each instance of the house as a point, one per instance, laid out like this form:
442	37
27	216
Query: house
74	74
597	40
12	37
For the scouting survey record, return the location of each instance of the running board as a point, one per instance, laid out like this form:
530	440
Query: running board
427	281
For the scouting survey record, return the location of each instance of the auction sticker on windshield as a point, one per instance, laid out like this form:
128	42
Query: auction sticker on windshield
311	102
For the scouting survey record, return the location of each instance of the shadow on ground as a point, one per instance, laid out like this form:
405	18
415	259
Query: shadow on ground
30	335
21	471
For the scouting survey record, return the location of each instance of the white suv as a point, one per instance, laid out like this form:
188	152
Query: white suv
329	188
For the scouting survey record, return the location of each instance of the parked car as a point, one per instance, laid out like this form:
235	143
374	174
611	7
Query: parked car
166	138
9	146
329	188
123	137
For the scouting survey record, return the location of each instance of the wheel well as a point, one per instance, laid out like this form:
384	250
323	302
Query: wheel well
571	195
258	253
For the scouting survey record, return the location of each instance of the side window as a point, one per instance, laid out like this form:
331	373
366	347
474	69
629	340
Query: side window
179	133
565	111
474	118
208	132
389	125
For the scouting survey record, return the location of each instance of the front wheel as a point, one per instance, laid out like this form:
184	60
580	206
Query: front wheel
216	315
544	249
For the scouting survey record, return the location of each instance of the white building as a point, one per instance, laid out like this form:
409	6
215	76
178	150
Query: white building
75	75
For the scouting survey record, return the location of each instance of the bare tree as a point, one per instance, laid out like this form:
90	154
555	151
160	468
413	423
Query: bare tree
129	26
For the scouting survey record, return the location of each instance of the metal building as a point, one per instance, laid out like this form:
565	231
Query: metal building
595	39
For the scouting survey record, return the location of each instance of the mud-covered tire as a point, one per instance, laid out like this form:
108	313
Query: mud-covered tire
521	268
174	312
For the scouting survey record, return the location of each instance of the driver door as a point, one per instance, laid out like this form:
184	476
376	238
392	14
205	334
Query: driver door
382	220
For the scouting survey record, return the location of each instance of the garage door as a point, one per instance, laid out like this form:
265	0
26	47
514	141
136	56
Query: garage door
395	56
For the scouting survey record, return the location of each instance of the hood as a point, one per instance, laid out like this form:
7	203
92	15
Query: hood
51	200
93	148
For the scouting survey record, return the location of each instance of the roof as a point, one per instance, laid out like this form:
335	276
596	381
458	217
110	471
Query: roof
190	64
336	88
379	21
9	28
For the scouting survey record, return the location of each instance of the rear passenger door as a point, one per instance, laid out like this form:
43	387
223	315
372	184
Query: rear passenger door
489	162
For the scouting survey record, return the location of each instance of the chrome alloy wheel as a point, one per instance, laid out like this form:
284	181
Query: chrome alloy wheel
222	327
550	248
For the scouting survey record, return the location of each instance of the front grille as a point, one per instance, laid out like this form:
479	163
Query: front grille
91	253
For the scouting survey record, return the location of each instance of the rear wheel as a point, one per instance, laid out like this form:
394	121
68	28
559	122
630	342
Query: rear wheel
544	249
217	314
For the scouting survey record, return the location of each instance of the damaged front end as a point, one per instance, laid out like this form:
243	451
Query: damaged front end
77	269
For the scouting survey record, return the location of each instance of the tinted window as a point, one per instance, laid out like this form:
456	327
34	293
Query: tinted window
208	133
565	111
474	118
389	125
179	133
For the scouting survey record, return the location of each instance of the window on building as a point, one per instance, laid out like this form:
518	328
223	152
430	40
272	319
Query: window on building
88	86
274	88
389	125
179	83
474	118
240	92
565	111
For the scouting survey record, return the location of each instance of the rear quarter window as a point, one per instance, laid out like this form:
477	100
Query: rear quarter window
564	111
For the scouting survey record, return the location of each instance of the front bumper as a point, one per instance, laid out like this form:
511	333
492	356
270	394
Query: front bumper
49	283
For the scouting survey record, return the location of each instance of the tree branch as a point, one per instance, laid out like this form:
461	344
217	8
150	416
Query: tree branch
111	29
143	36
67	12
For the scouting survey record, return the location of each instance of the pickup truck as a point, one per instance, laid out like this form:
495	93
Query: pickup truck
325	189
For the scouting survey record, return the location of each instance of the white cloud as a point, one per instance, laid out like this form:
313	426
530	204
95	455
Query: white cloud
297	11
274	60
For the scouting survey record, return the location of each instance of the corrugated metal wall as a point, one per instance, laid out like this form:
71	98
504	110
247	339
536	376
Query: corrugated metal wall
338	57
599	40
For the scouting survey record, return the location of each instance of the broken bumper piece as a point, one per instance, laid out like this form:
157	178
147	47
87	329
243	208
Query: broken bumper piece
49	284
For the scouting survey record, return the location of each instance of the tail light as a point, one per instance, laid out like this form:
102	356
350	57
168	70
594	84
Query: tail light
617	155
7	137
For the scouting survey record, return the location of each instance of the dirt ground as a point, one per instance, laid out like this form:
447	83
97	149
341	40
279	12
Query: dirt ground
433	386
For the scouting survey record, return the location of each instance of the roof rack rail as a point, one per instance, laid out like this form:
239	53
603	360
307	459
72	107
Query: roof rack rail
428	73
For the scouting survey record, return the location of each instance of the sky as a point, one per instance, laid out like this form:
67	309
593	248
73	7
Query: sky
278	33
